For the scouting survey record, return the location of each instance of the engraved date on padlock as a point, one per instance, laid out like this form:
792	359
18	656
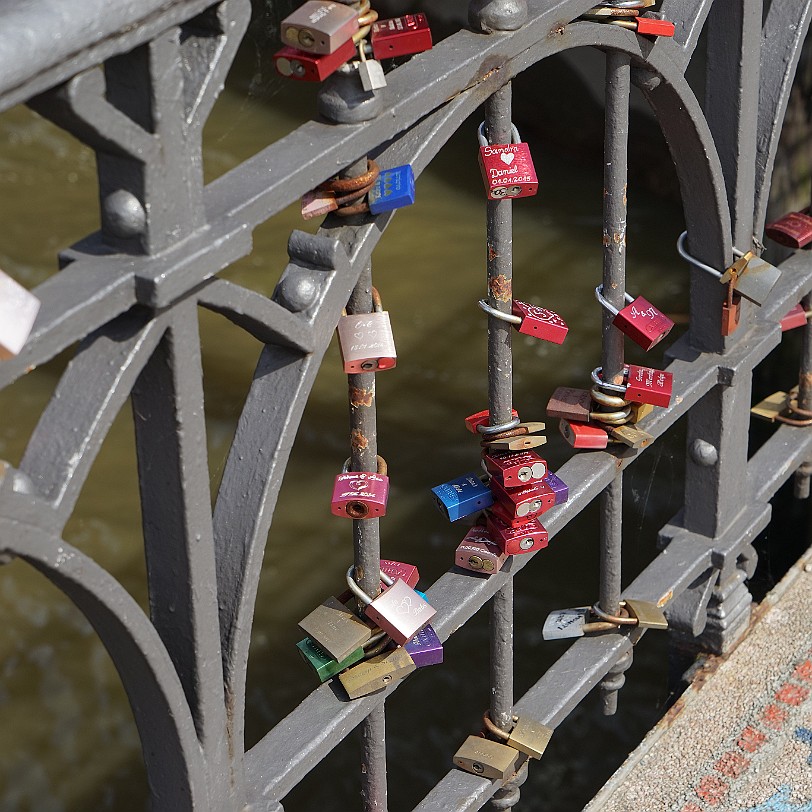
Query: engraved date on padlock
366	342
508	171
360	495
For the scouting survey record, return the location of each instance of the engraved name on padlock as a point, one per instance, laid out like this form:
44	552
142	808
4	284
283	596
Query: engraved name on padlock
515	468
319	27
462	496
647	385
18	311
366	342
397	569
643	323
425	648
400	612
793	230
400	36
360	495
507	169
304	67
540	322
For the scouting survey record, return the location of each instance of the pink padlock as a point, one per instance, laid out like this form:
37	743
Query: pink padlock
18	311
366	341
479	552
515	468
361	494
517	505
527	538
795	318
640	320
397	569
507	169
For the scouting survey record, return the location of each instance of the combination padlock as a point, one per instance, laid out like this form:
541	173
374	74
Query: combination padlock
507	169
304	67
517	505
425	648
515	468
583	435
366	341
641	385
319	27
793	230
393	189
336	629
18	312
640	320
400	36
377	673
462	496
479	553
360	494
399	610
528	538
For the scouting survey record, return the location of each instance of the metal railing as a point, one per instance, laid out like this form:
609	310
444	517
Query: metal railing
137	86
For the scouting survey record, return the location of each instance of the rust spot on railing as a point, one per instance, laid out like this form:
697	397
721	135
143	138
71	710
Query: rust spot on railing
361	397
358	440
501	288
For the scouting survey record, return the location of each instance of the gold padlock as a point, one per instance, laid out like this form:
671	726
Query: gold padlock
486	758
769	408
527	736
377	672
639	411
630	436
647	614
336	629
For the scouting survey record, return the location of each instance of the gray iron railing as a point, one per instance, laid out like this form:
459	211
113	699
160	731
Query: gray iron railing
136	81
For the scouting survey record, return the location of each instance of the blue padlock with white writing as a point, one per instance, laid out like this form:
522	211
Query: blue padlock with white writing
393	189
462	496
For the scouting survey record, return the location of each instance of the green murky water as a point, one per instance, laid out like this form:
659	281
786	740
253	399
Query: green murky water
67	740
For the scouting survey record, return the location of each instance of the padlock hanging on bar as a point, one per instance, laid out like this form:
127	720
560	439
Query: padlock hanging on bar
360	494
640	320
479	552
640	384
319	27
366	341
18	311
794	230
531	320
400	36
507	169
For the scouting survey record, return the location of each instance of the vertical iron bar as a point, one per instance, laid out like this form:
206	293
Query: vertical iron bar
366	536
616	136
500	392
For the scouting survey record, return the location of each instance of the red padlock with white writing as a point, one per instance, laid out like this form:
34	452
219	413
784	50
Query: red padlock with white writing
479	552
527	538
507	169
515	468
360	494
640	320
640	385
517	505
400	36
366	341
583	435
532	320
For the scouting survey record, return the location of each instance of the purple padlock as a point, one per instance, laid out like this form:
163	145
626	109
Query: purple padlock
559	488
361	494
425	648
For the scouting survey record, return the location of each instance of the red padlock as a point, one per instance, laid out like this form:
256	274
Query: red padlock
539	322
793	230
582	435
515	468
647	26
360	494
481	419
640	320
400	36
294	64
795	318
507	169
528	538
397	569
478	552
647	385
517	505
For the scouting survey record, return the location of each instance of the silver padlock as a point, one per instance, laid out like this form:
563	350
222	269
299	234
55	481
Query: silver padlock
371	73
366	341
319	27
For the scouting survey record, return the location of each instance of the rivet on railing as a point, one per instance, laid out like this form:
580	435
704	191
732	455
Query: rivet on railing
497	15
703	453
123	215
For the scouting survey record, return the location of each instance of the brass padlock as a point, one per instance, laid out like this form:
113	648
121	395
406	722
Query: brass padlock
754	277
515	443
377	672
529	737
639	411
731	310
336	629
647	614
486	758
770	408
632	437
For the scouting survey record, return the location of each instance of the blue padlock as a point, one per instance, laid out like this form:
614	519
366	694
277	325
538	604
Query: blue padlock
462	496
393	189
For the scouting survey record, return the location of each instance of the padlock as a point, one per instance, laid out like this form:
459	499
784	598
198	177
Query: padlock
294	64
507	169
795	318
425	648
479	553
318	203
462	496
539	322
322	663
393	189
753	277
486	758
397	569
366	341
582	435
793	230
564	624
528	538
647	614
640	320
638	411
568	403
524	443
770	408
640	384
370	71
630	436
360	494
319	27
731	311
527	736
18	311
473	421
519	504
559	488
514	469
377	673
400	36
647	26
399	610
336	629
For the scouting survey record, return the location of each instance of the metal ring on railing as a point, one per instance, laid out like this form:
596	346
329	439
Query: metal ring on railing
611	308
489	430
483	141
492	311
618	620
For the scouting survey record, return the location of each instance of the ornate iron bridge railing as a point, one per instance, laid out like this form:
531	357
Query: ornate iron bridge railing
136	82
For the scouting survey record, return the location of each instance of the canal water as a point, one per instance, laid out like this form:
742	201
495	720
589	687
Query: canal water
67	740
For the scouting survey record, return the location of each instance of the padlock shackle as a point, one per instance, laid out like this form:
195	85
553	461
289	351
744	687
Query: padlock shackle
357	591
611	308
497	314
599	381
515	138
383	468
